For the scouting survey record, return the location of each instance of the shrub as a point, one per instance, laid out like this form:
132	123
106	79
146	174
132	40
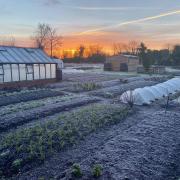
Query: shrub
97	171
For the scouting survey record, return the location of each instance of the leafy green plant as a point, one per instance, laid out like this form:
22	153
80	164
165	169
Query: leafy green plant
97	170
76	170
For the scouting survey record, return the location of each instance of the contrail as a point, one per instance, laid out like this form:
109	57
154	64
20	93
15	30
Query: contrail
132	22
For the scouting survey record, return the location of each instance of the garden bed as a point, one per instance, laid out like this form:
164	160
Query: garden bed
15	119
144	146
28	95
22	147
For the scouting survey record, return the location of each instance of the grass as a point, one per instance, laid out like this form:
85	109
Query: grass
37	143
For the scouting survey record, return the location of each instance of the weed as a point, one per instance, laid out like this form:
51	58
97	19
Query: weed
76	170
97	171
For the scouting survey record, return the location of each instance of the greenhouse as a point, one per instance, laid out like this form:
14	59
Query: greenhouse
147	95
26	64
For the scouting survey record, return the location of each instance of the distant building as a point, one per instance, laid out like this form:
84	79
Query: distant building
124	63
27	66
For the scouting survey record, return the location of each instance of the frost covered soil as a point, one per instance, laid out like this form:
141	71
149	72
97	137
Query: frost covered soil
24	96
143	146
19	118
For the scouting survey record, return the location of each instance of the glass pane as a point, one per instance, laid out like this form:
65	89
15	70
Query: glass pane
1	70
7	73
22	68
1	79
42	71
53	70
48	72
15	73
36	71
29	76
29	69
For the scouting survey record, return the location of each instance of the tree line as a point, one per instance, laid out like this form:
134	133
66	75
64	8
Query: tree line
47	38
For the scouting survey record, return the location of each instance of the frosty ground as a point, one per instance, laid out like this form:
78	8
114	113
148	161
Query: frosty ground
141	144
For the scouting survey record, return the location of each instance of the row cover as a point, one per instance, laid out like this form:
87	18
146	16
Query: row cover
149	94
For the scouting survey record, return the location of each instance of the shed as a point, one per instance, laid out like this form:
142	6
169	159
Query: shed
27	66
125	63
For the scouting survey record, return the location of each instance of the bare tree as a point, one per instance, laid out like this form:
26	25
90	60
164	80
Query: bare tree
47	38
133	47
117	48
41	35
53	40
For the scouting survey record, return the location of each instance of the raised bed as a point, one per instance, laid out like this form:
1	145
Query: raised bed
19	149
27	96
22	117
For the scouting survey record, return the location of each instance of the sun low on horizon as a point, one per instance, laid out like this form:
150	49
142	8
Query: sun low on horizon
101	22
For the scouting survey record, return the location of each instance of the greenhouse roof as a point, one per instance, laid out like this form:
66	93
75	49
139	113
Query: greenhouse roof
12	55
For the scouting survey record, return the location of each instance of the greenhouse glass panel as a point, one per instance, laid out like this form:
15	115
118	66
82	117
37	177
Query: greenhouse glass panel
15	74
48	71
1	73
42	71
29	71
36	71
53	70
22	68
7	73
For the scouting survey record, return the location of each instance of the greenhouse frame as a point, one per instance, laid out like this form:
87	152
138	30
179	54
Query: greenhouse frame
26	64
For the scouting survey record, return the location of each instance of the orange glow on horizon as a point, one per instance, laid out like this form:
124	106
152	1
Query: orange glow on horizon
103	39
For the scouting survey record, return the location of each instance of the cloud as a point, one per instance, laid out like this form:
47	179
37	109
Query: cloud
112	8
132	22
51	2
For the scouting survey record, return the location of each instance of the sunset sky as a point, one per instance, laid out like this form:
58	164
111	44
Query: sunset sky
104	22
